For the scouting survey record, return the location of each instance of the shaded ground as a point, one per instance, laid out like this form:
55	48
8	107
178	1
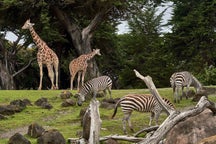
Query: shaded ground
11	132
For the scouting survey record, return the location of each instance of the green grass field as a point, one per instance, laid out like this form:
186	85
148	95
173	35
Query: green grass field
67	120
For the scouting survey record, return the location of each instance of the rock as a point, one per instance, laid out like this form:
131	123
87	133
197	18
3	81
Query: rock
198	95
65	94
111	141
51	137
19	103
17	138
68	102
9	109
27	102
43	103
193	129
107	105
2	117
46	105
35	130
40	101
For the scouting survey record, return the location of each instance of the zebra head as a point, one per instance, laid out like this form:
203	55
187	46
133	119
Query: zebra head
81	99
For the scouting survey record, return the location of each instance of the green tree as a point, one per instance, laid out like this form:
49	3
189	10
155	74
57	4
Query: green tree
192	41
143	48
70	27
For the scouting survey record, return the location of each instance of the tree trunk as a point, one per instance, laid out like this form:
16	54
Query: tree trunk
6	79
81	39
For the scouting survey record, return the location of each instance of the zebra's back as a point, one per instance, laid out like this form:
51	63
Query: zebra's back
93	86
181	79
97	84
141	103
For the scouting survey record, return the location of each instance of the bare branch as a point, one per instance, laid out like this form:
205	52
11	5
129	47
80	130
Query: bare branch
153	90
94	23
22	69
122	137
148	129
174	117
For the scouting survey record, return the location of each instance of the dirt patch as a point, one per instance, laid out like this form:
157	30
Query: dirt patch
11	132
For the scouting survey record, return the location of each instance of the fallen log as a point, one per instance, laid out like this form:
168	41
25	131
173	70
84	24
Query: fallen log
122	137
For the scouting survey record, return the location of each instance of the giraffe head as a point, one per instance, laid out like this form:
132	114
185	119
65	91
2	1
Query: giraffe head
97	51
27	24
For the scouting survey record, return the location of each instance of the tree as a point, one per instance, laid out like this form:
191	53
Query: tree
192	41
144	47
73	27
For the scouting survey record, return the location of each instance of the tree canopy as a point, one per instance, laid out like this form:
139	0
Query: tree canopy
72	28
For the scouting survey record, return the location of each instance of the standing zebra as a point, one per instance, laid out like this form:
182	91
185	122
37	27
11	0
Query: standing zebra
179	80
141	103
93	86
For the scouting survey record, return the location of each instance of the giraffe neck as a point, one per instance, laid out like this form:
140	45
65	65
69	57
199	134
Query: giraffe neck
38	41
90	55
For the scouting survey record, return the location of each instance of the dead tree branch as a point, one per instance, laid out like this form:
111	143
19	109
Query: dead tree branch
122	137
148	129
174	117
153	90
25	67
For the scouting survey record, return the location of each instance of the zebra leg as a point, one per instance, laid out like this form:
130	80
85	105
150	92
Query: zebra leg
94	95
151	118
182	92
176	98
157	117
127	118
187	92
174	94
109	90
78	80
105	93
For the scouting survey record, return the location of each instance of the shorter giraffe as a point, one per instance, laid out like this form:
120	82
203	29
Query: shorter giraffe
45	56
79	65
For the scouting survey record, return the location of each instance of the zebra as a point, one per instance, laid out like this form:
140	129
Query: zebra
179	80
141	103
93	86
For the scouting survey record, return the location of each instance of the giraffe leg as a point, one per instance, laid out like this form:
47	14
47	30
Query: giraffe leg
83	76
78	80
72	78
56	74
51	75
41	75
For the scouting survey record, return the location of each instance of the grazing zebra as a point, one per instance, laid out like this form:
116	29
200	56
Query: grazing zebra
93	86
141	103
179	80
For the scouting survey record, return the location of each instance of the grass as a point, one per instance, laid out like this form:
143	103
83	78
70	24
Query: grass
67	120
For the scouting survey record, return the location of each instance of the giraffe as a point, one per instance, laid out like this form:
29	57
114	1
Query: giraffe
45	56
79	65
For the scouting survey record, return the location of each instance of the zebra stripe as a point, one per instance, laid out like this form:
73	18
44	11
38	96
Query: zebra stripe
141	103
179	80
93	86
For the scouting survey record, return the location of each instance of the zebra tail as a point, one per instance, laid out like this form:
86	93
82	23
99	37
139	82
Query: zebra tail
116	108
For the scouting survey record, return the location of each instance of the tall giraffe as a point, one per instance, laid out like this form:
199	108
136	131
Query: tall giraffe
45	56
79	65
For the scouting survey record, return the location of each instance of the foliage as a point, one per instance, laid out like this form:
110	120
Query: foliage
143	48
192	41
190	46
